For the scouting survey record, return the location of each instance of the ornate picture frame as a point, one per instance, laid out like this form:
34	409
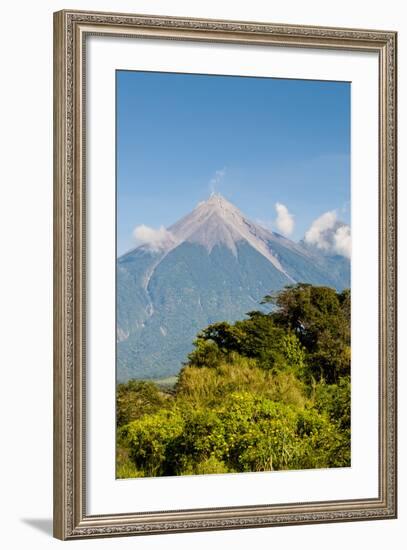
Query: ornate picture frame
71	517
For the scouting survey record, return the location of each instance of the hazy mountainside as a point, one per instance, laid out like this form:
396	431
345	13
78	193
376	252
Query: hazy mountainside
214	264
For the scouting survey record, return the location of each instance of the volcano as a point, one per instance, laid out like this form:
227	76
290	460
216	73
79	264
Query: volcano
212	265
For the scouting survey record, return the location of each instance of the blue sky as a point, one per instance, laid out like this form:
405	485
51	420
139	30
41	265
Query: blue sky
257	141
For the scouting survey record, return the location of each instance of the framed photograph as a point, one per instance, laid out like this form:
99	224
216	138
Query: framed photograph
225	274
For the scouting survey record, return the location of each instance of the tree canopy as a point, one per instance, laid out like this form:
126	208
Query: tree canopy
271	391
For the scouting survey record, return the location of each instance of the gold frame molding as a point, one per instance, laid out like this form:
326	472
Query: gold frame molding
70	31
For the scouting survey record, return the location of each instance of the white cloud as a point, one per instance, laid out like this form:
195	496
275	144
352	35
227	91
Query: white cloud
318	233
343	241
330	235
155	238
217	179
285	220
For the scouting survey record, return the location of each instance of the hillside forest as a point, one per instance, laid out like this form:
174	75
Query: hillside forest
269	392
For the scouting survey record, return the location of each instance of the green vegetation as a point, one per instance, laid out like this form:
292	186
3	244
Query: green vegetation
271	392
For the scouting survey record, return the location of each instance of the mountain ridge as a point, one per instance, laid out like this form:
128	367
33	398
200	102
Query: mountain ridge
213	264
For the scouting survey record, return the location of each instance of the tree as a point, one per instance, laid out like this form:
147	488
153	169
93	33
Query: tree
258	338
271	391
320	318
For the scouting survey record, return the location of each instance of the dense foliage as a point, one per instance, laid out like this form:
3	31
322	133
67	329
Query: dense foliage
270	392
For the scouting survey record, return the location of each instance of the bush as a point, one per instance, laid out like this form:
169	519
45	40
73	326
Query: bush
148	439
137	398
209	466
271	392
335	400
246	433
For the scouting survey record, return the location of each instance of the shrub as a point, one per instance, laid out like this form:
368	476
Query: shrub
148	438
137	398
246	432
269	392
